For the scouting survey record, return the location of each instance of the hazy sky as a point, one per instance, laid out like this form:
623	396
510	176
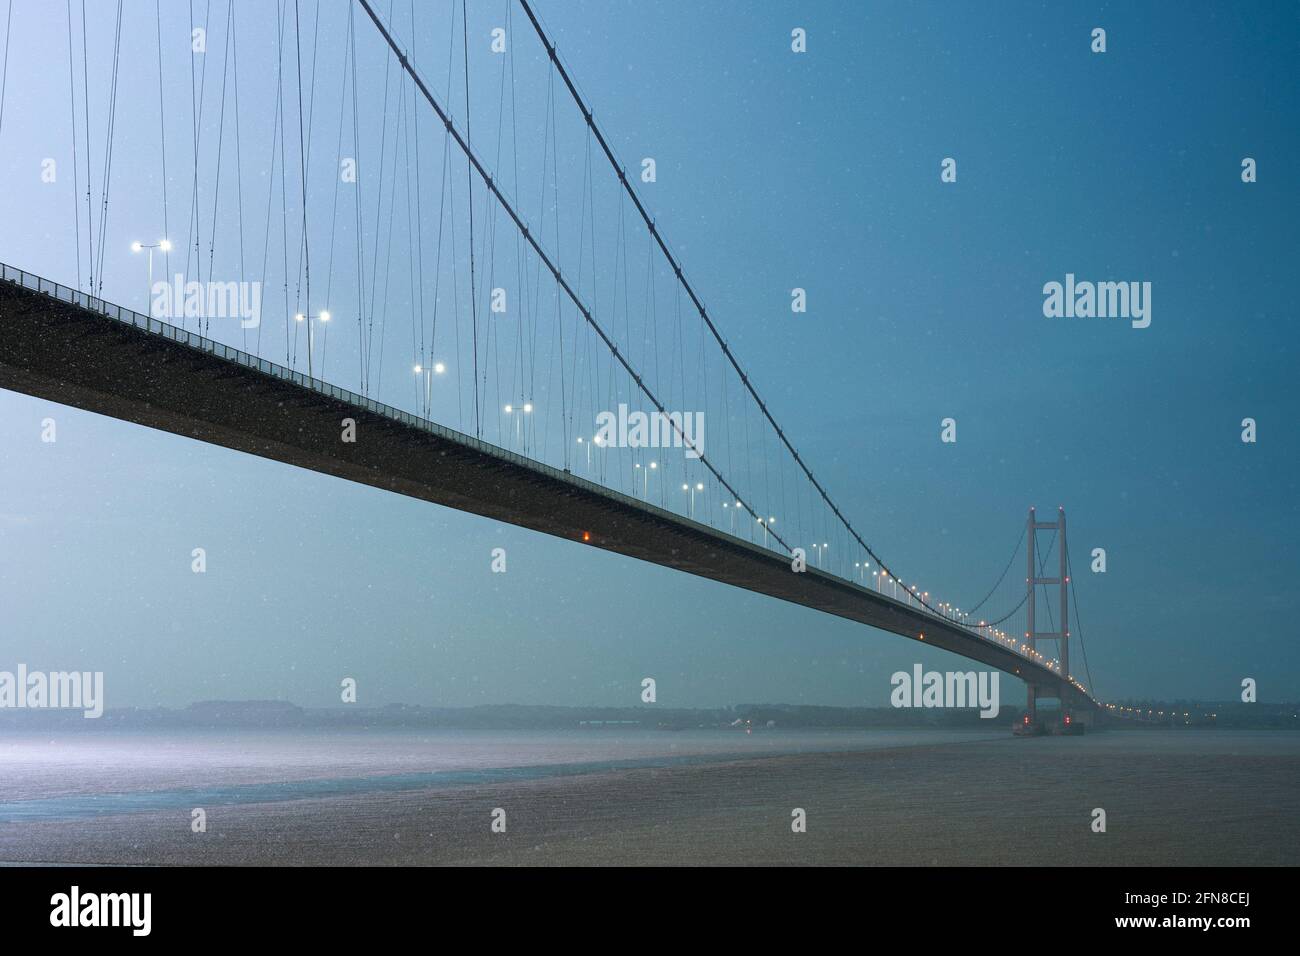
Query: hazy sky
775	170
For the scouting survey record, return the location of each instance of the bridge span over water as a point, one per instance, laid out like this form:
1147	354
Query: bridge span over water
64	346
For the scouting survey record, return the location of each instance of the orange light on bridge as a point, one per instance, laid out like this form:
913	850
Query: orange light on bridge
586	536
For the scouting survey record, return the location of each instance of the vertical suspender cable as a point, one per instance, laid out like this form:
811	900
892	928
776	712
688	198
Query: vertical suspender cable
694	297
473	302
76	185
542	255
162	134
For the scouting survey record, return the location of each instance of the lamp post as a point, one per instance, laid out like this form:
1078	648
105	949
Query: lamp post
520	411
438	369
166	246
698	486
645	477
303	317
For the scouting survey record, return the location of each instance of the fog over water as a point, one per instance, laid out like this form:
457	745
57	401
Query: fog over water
907	797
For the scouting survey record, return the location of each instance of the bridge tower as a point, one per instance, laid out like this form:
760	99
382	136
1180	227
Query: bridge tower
1061	636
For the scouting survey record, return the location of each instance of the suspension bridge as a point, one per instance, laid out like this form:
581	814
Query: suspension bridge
444	283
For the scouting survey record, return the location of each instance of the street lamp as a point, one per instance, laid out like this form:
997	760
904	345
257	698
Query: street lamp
698	486
525	409
166	246
301	317
645	477
438	369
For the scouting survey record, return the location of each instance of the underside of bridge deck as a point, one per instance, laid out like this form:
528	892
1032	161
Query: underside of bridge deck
72	355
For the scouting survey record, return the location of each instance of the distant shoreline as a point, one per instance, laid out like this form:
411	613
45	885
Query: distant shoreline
274	714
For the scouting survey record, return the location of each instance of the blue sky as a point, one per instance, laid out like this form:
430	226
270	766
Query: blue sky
775	170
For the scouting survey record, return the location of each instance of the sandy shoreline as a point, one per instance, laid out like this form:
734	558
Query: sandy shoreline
978	803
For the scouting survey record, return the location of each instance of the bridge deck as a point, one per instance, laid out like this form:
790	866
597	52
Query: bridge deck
66	347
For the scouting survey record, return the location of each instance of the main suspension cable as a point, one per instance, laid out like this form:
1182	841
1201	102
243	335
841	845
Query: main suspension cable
1004	572
564	284
695	299
1069	567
